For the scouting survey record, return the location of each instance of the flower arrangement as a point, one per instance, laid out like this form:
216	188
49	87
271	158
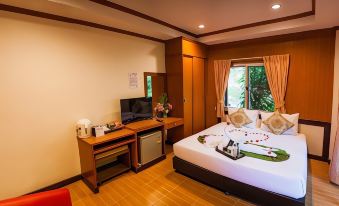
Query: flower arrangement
163	106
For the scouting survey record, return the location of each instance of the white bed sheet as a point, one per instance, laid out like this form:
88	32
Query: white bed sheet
288	178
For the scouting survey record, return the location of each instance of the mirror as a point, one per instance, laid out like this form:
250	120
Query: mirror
155	85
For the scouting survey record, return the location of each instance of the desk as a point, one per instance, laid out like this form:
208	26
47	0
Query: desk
90	147
172	122
174	127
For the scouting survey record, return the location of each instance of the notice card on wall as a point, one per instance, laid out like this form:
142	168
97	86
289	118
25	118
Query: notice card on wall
133	80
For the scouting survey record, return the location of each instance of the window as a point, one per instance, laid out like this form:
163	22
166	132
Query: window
248	88
149	86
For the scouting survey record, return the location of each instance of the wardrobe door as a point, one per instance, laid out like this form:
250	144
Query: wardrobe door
187	92
198	95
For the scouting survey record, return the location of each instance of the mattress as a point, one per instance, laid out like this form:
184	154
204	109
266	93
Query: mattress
287	178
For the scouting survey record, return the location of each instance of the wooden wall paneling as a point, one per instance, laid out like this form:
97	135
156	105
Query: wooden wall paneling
310	81
188	95
198	95
311	78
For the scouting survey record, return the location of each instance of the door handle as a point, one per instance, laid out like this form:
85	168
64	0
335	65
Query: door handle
184	100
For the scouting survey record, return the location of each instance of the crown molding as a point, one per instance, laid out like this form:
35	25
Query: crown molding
19	10
274	38
45	15
141	15
261	23
245	26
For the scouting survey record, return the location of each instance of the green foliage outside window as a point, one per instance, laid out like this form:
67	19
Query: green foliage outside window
149	86
259	93
236	87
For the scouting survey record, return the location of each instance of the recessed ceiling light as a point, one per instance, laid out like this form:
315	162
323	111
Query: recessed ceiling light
201	26
276	6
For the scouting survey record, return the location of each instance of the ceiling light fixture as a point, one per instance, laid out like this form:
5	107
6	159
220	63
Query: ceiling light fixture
201	26
276	6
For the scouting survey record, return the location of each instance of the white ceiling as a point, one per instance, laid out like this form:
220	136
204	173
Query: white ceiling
215	14
188	14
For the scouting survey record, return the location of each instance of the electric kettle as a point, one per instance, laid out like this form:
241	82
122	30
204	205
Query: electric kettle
84	128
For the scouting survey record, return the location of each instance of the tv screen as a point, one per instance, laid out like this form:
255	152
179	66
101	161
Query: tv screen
136	109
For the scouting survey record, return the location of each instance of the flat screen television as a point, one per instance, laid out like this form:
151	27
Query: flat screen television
136	109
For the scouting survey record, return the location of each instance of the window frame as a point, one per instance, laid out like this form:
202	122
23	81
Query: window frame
247	86
154	74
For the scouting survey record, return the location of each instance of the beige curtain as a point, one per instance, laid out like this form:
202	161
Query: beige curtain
277	72
221	74
334	168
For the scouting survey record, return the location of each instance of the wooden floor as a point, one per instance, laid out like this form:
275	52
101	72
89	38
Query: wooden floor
160	185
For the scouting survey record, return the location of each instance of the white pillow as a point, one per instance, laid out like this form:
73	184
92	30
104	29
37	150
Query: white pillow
252	114
294	118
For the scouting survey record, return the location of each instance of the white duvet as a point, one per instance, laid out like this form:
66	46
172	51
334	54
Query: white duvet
287	178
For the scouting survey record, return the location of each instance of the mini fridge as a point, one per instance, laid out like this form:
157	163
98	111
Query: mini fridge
150	146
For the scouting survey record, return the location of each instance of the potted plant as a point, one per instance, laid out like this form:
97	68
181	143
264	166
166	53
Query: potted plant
163	107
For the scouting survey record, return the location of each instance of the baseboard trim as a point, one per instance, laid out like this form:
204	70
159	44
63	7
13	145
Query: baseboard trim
57	185
316	157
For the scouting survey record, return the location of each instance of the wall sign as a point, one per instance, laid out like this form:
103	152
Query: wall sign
133	80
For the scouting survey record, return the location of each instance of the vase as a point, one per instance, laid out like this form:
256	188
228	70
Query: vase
164	115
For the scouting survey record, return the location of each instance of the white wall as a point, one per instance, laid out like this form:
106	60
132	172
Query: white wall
335	94
51	75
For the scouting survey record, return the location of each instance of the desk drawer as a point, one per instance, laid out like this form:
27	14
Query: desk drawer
174	124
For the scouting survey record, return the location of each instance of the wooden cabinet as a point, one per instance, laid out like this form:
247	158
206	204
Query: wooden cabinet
188	95
185	68
198	83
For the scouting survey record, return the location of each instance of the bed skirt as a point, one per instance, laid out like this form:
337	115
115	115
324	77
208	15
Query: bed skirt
233	187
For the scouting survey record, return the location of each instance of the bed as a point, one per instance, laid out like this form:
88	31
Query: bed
259	181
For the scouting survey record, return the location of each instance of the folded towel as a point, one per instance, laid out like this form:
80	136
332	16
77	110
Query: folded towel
258	149
212	140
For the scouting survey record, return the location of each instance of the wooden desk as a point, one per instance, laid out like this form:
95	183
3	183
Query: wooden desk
144	125
92	146
174	127
171	122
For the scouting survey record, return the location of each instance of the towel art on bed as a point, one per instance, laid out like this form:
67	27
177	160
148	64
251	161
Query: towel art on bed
249	144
